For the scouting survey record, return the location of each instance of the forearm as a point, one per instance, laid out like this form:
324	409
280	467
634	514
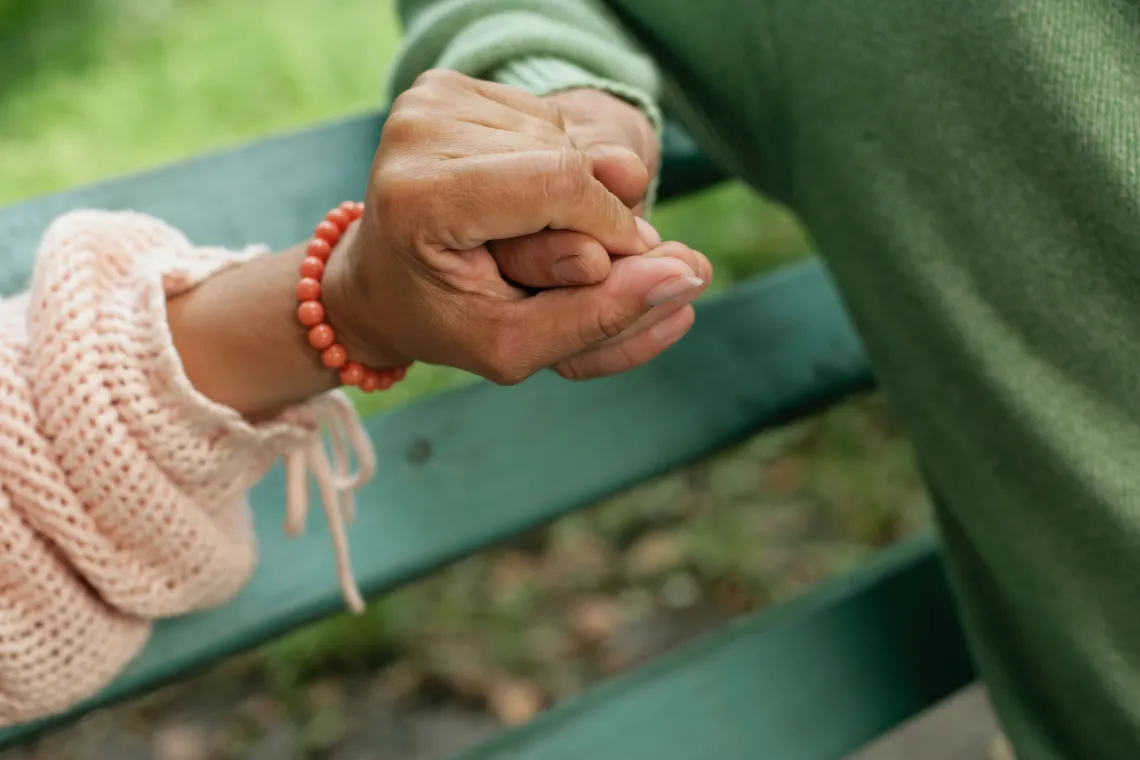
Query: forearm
122	483
239	340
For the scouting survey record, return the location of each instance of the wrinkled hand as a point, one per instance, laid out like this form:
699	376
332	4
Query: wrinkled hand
461	163
617	137
624	156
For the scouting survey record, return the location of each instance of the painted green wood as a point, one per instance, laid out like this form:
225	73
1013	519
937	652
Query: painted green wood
268	192
810	679
470	468
466	469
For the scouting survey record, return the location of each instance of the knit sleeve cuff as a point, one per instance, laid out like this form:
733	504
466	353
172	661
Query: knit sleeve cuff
546	76
156	472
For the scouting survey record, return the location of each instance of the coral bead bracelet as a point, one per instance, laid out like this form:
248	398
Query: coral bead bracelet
311	312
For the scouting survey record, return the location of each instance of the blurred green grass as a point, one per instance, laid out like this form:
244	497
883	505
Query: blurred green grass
95	88
110	86
90	89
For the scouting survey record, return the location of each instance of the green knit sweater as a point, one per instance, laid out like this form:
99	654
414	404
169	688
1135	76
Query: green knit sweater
970	169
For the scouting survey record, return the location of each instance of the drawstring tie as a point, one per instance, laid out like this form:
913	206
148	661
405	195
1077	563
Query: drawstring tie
335	483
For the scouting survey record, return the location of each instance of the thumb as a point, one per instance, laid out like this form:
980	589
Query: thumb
564	322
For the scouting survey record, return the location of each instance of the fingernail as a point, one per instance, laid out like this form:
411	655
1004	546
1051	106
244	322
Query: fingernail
648	233
570	270
673	289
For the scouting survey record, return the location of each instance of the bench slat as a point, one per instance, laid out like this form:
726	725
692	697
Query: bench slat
268	192
810	679
474	466
466	469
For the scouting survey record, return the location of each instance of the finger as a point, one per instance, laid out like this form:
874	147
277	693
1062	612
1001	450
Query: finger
650	235
563	322
497	195
650	335
621	171
551	258
632	351
696	260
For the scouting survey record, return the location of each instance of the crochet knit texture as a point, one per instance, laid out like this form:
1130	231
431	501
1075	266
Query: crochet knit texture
122	489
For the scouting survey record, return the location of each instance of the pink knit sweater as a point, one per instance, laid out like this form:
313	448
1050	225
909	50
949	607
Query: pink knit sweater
122	489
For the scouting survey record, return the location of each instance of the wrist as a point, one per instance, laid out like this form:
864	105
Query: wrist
352	309
238	338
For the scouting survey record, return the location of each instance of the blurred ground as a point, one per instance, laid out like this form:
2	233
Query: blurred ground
95	88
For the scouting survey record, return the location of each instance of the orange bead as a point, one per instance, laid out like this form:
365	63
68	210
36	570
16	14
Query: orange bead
311	313
319	249
334	356
327	231
387	380
370	382
321	337
340	218
352	208
308	289
399	373
352	373
313	267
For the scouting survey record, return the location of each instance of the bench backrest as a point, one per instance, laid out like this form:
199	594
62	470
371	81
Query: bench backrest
472	467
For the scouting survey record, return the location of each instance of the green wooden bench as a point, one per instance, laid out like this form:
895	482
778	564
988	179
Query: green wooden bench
813	678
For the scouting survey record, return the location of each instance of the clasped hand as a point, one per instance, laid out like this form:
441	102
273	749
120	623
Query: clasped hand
498	237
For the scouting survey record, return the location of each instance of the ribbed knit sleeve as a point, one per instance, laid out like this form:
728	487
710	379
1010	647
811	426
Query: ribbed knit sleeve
122	489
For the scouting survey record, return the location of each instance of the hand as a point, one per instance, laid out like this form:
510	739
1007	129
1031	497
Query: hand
617	137
624	156
460	163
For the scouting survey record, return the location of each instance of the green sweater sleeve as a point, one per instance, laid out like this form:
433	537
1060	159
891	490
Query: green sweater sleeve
541	46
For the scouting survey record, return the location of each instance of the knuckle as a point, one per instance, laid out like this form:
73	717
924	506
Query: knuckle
547	133
503	368
507	376
503	355
437	76
552	113
574	163
406	124
565	171
394	190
